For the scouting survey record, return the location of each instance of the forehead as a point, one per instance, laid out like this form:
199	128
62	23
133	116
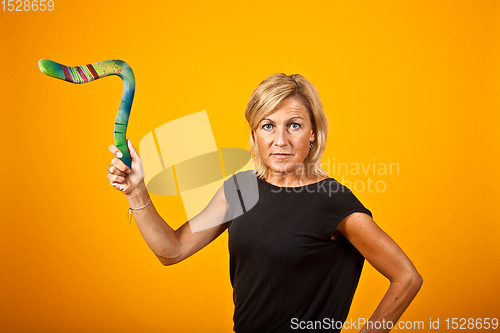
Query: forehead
287	108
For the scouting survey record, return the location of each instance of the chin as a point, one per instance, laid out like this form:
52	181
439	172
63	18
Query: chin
287	168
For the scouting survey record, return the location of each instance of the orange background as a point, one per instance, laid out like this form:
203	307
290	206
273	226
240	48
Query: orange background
414	83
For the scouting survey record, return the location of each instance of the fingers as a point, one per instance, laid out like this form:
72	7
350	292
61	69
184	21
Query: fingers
131	148
116	163
119	187
115	171
114	179
115	151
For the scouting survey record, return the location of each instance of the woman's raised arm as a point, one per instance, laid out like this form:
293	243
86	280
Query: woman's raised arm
168	245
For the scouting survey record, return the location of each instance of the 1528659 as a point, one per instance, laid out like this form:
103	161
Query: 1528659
471	323
28	5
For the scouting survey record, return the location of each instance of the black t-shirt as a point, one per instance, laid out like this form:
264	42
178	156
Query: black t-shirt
286	271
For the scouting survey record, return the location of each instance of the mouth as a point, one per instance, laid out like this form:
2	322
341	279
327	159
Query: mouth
281	155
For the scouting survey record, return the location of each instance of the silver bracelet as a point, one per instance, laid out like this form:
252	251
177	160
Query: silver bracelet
130	209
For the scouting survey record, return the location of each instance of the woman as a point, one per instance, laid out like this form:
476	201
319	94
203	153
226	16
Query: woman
297	254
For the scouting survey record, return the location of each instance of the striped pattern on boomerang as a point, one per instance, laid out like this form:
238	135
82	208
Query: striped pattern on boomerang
94	71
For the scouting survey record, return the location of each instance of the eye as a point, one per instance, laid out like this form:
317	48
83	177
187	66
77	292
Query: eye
295	126
265	126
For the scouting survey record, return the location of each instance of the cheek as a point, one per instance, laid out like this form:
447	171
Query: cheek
262	138
262	143
302	142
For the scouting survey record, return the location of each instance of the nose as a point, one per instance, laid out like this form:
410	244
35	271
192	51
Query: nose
280	137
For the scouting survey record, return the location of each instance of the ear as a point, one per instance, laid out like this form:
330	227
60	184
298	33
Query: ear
312	136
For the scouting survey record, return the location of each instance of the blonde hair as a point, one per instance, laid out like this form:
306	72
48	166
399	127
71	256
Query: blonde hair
264	99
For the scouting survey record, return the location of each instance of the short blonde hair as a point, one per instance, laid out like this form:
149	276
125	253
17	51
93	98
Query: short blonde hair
264	99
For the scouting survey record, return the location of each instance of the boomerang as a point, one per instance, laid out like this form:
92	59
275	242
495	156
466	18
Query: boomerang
94	71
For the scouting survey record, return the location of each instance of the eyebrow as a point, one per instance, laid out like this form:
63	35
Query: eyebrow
288	119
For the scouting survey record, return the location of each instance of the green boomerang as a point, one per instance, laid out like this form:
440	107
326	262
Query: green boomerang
94	71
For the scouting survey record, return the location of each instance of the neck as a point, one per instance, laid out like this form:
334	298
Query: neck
293	179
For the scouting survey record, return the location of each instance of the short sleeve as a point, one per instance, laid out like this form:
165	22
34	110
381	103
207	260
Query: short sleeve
344	204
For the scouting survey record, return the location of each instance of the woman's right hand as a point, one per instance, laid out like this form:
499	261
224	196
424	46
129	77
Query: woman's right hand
122	177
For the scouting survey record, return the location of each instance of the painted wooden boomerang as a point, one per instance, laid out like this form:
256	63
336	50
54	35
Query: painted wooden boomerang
94	71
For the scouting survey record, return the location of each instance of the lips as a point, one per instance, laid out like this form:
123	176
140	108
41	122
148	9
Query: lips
281	155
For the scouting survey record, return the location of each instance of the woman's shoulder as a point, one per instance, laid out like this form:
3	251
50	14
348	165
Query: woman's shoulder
334	186
242	177
342	198
332	193
242	186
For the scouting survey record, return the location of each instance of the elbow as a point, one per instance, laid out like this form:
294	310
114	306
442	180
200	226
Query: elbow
413	282
410	281
168	261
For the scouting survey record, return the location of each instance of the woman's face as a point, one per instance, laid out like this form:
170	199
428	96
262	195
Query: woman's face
283	137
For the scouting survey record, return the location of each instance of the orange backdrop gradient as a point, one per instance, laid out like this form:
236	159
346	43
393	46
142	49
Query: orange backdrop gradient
409	82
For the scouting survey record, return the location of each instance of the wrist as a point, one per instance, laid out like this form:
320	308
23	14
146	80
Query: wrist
138	197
